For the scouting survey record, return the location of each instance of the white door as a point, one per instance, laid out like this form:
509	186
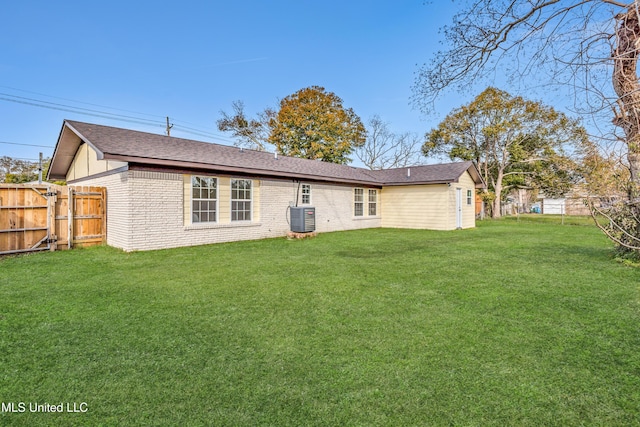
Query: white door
458	207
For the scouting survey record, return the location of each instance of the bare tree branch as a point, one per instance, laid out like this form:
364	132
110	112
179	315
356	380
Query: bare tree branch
384	149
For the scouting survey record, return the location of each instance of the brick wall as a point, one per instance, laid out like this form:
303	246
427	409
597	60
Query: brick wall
146	210
119	225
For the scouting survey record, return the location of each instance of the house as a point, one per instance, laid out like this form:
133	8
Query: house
166	192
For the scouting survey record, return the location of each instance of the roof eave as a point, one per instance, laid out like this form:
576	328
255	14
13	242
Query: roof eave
232	169
69	140
396	183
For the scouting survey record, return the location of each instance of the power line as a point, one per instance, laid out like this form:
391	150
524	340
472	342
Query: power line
73	109
26	145
81	102
104	114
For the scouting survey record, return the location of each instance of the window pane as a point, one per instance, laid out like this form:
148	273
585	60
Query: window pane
203	198
240	200
306	194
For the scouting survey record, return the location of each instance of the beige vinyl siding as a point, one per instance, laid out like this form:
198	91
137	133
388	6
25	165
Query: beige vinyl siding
468	211
429	206
224	199
86	164
416	206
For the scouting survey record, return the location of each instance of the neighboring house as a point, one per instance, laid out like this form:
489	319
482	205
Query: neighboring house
167	192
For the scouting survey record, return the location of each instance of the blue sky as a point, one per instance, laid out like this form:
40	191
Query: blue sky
189	60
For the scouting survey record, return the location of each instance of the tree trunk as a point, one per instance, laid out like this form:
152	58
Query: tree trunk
497	189
627	87
495	211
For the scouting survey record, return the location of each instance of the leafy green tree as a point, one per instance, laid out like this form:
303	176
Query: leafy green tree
17	171
515	142
588	48
311	123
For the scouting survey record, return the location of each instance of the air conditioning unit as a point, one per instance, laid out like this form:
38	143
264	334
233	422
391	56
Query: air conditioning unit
303	220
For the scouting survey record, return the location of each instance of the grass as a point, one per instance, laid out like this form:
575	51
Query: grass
512	323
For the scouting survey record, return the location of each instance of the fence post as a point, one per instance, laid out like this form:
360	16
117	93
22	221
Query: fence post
52	201
70	203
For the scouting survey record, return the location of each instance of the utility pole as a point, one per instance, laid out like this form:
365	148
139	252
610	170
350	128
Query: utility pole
168	127
40	170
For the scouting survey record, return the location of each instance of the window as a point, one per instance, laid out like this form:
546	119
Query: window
469	194
306	194
204	199
240	200
358	202
373	202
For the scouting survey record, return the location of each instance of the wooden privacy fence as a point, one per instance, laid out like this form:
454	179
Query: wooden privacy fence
49	217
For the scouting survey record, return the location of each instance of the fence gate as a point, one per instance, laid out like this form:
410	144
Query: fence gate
50	217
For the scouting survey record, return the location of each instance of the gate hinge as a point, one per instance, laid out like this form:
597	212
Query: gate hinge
51	240
51	193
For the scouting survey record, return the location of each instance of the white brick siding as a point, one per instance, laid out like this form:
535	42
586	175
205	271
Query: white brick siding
146	210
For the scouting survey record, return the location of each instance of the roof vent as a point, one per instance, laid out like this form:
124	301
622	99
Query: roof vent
408	172
275	155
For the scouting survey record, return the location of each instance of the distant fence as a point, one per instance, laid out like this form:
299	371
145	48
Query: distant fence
567	206
49	217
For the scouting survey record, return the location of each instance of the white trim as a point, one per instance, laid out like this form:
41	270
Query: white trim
309	203
211	225
369	190
191	200
354	202
231	200
458	212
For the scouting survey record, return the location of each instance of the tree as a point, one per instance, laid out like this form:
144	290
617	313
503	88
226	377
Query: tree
604	175
310	123
515	142
250	133
384	149
585	45
17	171
313	124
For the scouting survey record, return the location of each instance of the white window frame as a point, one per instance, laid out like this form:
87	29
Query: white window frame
307	193
197	213
250	200
469	197
358	203
373	202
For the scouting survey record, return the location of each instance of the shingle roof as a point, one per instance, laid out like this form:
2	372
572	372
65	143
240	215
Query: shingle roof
160	150
441	173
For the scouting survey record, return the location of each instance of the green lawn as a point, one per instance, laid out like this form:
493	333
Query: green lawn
515	323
